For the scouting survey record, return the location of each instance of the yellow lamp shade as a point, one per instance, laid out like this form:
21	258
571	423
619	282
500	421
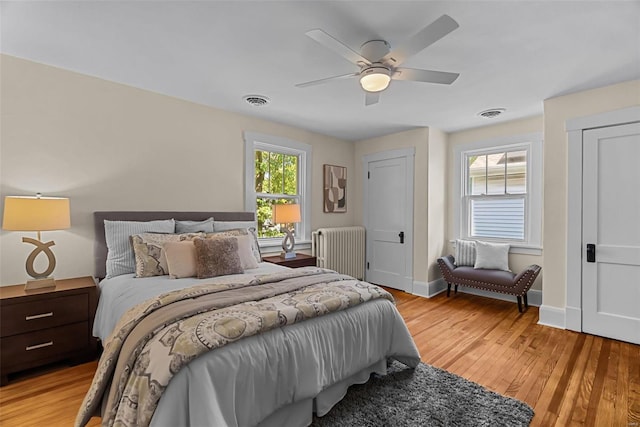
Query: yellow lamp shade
36	213
286	214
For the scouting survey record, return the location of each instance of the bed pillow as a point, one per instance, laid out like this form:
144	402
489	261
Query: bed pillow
181	259
120	258
217	257
492	256
245	251
465	253
231	225
148	249
205	226
239	231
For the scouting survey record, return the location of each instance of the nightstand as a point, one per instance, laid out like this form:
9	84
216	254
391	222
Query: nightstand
301	260
41	326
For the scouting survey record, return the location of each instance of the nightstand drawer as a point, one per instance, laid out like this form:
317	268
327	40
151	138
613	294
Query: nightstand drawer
32	346
32	316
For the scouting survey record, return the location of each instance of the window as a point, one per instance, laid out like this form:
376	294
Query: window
277	171
500	184
496	195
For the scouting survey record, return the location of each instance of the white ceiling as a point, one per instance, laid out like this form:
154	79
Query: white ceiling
510	54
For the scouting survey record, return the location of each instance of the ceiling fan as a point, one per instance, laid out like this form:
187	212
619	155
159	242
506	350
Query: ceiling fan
379	64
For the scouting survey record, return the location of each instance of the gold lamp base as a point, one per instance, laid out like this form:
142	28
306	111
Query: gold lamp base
40	280
46	282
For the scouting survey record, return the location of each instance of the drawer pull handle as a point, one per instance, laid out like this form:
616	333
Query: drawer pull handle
37	346
39	316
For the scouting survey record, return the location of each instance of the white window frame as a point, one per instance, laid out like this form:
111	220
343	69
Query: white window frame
257	141
532	143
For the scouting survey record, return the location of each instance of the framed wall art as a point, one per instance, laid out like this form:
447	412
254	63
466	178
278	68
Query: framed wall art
335	188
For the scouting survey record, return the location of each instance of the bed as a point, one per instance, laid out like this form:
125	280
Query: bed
277	376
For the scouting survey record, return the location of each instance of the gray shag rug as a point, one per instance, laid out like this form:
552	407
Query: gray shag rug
426	396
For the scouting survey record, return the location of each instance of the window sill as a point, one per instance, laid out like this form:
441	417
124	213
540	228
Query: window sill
515	248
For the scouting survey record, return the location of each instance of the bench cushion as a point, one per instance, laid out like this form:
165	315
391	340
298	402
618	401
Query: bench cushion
486	277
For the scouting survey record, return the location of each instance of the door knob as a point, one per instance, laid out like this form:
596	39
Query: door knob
401	236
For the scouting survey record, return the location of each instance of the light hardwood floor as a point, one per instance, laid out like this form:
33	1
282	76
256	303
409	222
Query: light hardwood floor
568	378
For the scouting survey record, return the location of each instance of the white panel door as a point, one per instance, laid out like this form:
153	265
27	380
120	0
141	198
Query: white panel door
389	225
611	228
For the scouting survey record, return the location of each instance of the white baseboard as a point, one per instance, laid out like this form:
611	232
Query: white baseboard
573	320
430	289
534	297
552	316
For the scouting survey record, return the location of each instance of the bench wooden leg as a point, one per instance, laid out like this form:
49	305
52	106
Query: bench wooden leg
519	303
448	289
456	289
526	302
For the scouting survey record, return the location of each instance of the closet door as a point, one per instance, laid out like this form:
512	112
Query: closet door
389	219
611	232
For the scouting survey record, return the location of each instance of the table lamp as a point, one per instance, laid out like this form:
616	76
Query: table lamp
287	214
23	213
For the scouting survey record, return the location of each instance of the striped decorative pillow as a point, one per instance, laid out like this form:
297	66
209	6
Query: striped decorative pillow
465	252
120	259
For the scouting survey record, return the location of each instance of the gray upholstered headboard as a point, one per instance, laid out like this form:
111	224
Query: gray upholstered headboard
99	217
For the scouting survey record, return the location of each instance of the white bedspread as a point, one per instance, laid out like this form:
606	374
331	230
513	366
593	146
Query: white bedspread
273	379
243	383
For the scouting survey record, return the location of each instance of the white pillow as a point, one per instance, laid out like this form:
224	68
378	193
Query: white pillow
465	252
492	256
205	226
120	259
230	225
245	250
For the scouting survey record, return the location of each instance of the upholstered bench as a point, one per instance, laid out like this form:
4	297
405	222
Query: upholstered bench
493	280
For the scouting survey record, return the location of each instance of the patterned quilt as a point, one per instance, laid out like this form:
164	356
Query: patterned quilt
158	337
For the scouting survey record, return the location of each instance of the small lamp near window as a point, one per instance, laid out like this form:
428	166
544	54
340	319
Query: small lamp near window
287	214
22	213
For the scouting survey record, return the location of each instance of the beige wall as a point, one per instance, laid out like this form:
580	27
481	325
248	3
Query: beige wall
418	138
437	201
107	146
517	262
556	112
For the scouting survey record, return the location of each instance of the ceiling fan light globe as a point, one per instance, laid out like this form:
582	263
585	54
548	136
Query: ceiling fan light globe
375	82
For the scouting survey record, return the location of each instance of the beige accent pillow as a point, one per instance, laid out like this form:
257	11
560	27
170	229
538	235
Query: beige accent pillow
181	259
247	259
217	257
149	254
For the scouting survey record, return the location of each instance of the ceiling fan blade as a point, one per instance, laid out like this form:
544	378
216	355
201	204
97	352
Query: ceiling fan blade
371	98
337	46
425	37
328	79
427	76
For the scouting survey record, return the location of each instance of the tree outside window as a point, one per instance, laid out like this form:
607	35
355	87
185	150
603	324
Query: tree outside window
276	182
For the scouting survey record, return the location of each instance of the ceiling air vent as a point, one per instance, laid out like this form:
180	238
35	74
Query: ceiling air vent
256	100
492	113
